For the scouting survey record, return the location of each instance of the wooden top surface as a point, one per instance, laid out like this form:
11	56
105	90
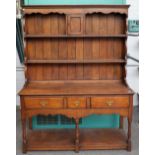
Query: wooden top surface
76	88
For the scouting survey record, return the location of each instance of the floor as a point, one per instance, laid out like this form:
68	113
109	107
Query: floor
135	141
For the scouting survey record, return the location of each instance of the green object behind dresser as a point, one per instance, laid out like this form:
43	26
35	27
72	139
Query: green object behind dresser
52	2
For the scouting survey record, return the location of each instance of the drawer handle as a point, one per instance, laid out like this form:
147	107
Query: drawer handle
43	103
77	103
109	103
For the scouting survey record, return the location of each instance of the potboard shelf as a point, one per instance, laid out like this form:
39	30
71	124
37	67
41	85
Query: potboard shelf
89	139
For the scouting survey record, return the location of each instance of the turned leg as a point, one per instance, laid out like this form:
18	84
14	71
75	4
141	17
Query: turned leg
30	123
129	123
24	134
129	135
121	122
77	133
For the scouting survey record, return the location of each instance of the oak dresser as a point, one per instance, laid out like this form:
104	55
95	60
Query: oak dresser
75	57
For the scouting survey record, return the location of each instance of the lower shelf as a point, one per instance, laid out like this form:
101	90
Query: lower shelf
64	139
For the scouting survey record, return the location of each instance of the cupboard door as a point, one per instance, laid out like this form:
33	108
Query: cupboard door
75	24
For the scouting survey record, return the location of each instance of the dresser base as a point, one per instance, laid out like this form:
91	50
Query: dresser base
64	139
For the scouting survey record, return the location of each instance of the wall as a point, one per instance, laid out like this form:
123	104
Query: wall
33	2
20	80
133	50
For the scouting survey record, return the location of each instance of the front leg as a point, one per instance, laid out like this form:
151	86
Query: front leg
129	135
129	122
121	122
30	123
24	135
77	135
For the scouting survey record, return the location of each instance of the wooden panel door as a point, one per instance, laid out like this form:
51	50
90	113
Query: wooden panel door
75	24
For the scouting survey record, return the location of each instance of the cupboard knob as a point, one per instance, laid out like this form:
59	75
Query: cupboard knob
43	103
109	103
77	103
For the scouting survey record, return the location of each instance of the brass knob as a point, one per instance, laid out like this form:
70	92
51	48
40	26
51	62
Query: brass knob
109	103
43	103
77	103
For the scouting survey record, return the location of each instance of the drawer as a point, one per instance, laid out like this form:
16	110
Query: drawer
39	102
110	101
76	102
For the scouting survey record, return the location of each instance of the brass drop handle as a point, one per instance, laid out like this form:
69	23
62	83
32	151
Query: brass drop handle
109	103
43	103
77	103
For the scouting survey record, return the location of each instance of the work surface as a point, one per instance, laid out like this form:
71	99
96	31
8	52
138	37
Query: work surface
75	88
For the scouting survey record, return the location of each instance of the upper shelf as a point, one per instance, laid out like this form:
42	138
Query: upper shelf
75	25
76	36
75	61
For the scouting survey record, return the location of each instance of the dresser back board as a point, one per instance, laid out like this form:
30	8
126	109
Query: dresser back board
75	44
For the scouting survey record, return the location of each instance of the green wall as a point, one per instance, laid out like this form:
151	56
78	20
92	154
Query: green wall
47	2
92	121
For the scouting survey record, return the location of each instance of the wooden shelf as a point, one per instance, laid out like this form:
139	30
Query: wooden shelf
76	36
89	139
75	61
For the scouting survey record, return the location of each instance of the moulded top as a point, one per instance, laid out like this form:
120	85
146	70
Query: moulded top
81	9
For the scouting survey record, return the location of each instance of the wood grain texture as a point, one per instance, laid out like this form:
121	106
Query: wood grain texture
76	102
90	139
43	102
76	9
76	87
75	59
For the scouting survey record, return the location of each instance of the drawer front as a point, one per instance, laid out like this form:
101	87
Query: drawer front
40	102
76	102
110	102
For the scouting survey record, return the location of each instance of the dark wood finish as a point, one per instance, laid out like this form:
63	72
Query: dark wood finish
75	59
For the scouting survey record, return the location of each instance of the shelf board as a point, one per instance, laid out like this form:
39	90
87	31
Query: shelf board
74	61
64	139
76	36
